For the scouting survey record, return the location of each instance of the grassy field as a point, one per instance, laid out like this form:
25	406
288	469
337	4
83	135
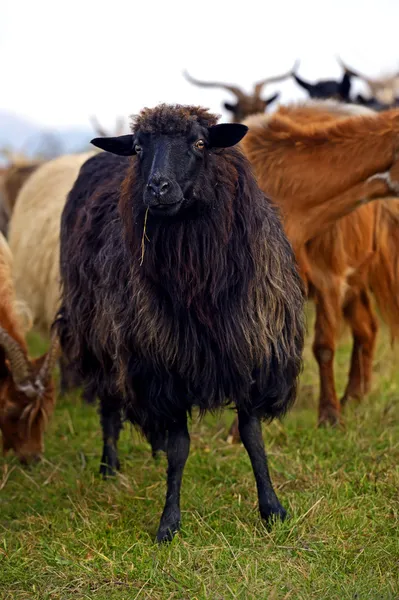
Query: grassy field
65	533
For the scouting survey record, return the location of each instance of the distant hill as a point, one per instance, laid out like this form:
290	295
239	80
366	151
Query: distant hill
21	135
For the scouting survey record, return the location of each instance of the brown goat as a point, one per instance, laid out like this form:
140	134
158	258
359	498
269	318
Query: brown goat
246	104
318	165
26	386
14	178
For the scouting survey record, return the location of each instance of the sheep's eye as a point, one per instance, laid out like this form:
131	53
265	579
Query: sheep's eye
137	148
199	144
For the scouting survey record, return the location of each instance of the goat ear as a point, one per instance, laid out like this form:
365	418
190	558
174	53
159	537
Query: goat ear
362	100
122	144
231	107
226	134
271	99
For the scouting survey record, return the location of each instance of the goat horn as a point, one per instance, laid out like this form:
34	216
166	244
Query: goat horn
120	124
352	72
231	88
97	127
19	363
276	78
304	84
52	356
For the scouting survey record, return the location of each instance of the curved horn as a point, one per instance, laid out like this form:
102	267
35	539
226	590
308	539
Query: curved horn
19	363
304	84
97	127
231	88
52	356
352	72
120	125
272	98
276	78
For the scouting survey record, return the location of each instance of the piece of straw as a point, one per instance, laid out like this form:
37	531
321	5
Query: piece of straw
144	237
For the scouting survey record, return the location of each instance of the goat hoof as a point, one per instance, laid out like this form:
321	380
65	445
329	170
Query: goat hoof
271	514
330	417
355	397
166	533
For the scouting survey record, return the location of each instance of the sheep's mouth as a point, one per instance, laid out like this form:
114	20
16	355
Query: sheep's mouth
166	209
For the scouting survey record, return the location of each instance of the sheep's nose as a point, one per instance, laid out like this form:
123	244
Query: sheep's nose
158	186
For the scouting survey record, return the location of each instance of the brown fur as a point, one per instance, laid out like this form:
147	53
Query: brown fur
14	178
316	165
384	270
22	419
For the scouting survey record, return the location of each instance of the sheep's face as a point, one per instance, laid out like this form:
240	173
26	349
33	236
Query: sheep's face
170	167
171	163
23	418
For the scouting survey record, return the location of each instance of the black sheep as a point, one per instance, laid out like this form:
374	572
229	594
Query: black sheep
179	290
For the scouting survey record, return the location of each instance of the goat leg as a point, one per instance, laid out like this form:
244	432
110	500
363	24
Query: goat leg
364	325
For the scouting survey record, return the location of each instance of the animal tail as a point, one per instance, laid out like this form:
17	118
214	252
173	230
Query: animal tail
384	271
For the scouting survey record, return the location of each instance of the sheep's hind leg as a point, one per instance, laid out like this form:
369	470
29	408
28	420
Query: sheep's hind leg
111	425
251	435
178	447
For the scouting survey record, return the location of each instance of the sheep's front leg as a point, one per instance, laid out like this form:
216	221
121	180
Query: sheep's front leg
178	447
111	425
251	435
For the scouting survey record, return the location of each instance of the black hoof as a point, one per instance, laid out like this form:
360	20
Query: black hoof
271	514
167	533
109	468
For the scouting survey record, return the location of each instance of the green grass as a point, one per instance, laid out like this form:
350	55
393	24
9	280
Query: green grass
65	533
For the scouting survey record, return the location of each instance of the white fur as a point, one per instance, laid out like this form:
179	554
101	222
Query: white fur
34	236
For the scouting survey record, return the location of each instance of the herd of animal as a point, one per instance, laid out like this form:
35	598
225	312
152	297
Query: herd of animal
169	267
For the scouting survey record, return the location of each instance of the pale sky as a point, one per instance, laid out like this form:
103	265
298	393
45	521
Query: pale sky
63	61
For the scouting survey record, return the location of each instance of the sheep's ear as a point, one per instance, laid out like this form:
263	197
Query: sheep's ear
122	144
226	134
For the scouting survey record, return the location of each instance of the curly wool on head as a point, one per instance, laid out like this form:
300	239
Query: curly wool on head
172	119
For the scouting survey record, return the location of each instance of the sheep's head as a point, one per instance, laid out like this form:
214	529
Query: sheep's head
27	397
173	146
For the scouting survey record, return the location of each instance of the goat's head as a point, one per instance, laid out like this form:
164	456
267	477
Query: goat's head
173	146
327	88
27	397
384	90
246	104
